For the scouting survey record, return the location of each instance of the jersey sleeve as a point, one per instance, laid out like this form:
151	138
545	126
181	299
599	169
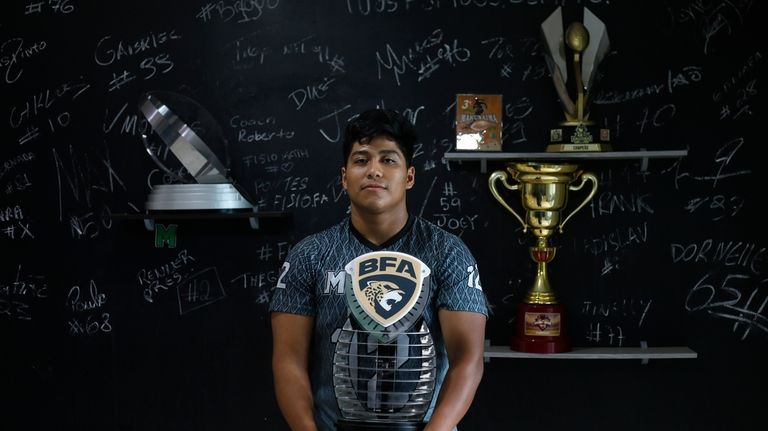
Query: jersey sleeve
294	291
458	279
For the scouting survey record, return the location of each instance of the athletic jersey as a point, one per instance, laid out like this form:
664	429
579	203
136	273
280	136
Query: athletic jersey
312	281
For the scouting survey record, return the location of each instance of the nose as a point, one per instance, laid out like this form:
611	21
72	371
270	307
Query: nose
374	169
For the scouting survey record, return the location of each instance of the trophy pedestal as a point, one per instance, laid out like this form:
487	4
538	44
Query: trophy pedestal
540	328
578	138
343	425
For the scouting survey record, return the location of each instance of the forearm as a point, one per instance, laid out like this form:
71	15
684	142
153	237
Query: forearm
290	352
294	396
456	395
463	334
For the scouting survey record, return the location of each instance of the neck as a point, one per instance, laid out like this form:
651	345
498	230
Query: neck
379	227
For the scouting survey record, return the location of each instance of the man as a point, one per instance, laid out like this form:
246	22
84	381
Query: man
309	306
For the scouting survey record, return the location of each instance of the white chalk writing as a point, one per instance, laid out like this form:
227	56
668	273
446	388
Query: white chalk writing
424	57
241	10
153	281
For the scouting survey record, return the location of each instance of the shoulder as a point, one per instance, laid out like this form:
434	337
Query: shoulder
319	241
446	250
437	235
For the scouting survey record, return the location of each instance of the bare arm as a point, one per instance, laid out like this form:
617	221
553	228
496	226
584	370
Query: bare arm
291	340
464	334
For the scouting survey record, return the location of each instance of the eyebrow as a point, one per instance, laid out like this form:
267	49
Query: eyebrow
366	152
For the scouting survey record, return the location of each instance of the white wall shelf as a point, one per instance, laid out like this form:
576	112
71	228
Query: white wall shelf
149	219
643	353
485	157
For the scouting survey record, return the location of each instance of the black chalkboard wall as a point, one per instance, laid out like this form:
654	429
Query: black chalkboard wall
101	330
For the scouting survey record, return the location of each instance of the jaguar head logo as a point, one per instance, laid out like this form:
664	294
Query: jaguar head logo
383	293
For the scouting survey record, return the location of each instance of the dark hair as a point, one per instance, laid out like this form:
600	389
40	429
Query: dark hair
378	122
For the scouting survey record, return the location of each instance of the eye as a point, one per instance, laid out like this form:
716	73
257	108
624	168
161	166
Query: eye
359	161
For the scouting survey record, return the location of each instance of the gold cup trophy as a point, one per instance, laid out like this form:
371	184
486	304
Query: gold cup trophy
540	326
544	186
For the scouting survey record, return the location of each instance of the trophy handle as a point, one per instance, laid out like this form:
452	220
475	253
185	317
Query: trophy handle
583	177
502	175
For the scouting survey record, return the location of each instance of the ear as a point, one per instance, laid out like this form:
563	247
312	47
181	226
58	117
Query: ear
344	177
410	178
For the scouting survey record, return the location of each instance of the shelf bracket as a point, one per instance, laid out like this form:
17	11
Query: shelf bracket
254	222
644	162
644	346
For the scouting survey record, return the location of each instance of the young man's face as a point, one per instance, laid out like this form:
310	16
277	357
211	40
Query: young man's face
376	176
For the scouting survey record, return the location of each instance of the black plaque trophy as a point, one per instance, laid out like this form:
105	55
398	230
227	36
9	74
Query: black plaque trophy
197	179
384	366
573	56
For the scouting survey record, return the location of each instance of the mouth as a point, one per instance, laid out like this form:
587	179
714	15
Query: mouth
373	186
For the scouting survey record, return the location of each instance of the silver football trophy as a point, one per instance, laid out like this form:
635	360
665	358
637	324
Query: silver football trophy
573	56
201	182
384	366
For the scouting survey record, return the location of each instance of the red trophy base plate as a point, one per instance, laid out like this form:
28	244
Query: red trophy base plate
540	328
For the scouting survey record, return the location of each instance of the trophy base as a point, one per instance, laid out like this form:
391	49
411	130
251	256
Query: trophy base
540	328
578	137
572	148
343	425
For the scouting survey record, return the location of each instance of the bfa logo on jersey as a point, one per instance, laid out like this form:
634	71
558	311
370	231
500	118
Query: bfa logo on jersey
388	291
